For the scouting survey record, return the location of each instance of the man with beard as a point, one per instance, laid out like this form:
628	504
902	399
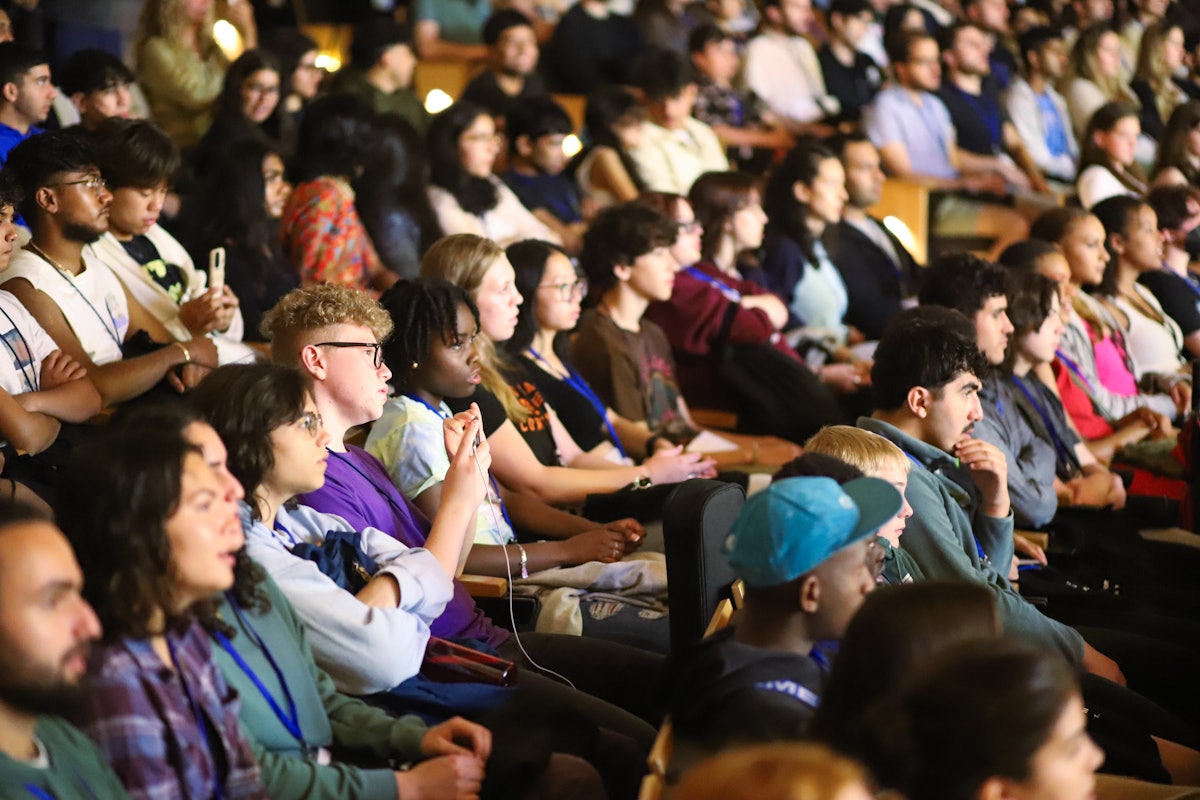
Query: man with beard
82	305
46	629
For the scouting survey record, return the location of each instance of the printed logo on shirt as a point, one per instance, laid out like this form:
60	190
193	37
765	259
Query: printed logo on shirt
791	689
22	359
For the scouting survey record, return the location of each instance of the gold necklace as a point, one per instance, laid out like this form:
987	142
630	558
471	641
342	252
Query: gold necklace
39	251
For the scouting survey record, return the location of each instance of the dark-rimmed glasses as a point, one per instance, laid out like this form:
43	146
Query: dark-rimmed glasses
567	291
376	357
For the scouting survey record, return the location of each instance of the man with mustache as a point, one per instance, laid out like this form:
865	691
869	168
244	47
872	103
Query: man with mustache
46	629
927	377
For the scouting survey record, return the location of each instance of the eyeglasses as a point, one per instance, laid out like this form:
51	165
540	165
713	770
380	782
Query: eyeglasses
376	356
311	423
688	227
94	182
566	291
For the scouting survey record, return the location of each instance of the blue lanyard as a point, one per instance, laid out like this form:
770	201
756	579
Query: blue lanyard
731	294
33	382
1071	365
576	382
279	526
1065	456
289	719
495	486
198	714
1188	279
978	547
115	333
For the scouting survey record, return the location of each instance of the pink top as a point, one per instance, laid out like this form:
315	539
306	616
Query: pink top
1111	365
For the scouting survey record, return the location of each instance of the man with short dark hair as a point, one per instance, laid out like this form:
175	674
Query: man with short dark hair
916	139
26	94
804	548
592	46
875	266
537	132
851	75
992	17
782	68
381	71
138	161
46	629
83	305
511	76
98	84
1038	112
676	148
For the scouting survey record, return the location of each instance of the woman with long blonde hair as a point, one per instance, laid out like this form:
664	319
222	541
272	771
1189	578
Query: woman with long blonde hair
1154	82
1094	75
179	65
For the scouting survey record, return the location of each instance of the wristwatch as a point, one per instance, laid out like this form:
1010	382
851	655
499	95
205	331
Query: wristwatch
642	482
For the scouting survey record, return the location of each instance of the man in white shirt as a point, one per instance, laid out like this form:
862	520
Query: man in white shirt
782	68
1038	112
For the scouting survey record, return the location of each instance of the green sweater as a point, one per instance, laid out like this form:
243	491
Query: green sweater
898	565
402	101
941	536
77	770
327	718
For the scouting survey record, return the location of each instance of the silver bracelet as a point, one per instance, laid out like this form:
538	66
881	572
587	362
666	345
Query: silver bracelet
524	561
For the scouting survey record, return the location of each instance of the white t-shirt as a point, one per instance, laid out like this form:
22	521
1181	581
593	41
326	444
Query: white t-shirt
408	440
25	346
93	302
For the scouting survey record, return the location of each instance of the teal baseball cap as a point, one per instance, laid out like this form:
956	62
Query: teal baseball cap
797	523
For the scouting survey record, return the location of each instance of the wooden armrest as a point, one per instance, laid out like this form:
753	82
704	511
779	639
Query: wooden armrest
907	201
660	752
1040	538
715	419
484	585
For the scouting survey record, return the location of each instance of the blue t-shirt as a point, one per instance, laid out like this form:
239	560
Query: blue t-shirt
558	194
1052	124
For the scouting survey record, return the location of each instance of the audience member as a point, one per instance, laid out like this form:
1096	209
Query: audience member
1152	339
382	64
1094	75
1178	158
553	291
962	738
666	24
1174	286
300	78
358	489
179	65
537	130
803	549
845	453
981	124
66	204
1038	112
804	196
675	148
511	76
451	30
466	194
782	68
896	634
138	161
46	631
774	772
1155	82
98	84
392	196
604	171
1142	15
246	108
877	269
157	530
41	387
1107	165
992	17
322	233
915	136
28	102
736	116
237	206
592	46
515	415
851	75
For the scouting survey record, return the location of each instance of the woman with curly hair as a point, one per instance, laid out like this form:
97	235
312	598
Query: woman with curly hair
158	532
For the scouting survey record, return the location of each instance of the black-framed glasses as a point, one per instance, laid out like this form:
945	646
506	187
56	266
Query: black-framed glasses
688	227
567	291
377	347
94	182
311	423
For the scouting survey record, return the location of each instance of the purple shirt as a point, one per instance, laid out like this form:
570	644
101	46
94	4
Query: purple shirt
139	714
357	489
